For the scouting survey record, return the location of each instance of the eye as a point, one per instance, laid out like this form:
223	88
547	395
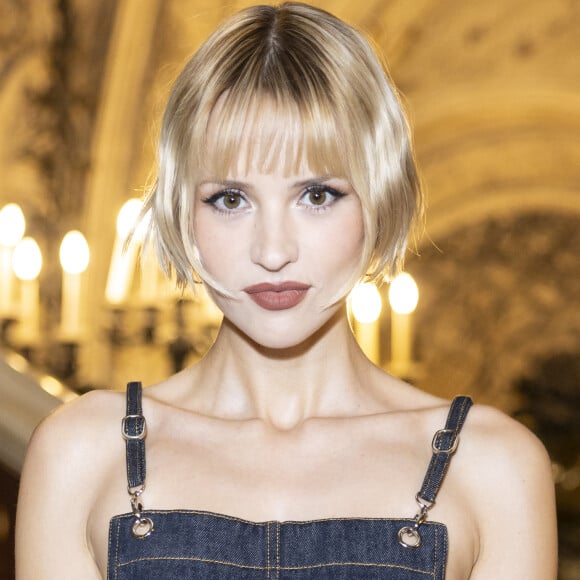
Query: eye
320	196
231	200
317	196
227	201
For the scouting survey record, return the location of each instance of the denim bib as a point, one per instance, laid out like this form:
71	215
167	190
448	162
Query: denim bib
198	545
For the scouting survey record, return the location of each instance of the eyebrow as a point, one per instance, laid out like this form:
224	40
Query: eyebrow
224	182
242	184
314	180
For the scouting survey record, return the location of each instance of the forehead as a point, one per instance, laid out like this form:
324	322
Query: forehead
264	136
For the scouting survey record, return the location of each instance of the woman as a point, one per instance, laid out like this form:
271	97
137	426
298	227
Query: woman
285	175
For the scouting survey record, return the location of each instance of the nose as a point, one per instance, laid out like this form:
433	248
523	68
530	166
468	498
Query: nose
274	243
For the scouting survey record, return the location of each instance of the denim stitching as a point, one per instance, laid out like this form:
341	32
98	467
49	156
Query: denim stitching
435	552
117	550
293	522
286	568
110	547
446	551
277	550
361	564
191	559
198	512
463	410
428	482
127	465
268	550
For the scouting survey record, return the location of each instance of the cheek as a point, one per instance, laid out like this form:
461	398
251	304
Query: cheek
354	233
346	238
217	241
335	251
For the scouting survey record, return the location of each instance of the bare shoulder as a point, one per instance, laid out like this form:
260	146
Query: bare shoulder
507	474
66	463
76	426
504	462
71	447
89	406
498	440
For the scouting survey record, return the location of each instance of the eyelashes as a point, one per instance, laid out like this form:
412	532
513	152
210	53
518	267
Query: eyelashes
228	200
321	196
314	198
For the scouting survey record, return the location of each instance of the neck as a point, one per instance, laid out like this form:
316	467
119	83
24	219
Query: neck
322	376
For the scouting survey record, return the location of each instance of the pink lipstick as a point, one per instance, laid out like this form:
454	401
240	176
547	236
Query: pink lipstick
277	296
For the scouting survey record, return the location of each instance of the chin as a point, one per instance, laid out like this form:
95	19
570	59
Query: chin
291	338
283	347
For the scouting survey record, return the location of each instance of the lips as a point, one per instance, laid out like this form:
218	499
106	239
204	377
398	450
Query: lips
277	296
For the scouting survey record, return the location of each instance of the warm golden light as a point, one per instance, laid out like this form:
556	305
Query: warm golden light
27	260
128	216
403	294
124	257
55	388
365	303
74	253
12	225
142	227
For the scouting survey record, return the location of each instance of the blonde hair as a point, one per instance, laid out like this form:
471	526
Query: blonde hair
337	108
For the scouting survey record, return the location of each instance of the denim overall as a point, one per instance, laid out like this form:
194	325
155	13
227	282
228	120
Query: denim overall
190	544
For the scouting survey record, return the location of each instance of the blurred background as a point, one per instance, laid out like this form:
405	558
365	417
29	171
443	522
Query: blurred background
493	94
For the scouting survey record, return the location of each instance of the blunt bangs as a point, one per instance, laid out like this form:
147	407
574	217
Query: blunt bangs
273	136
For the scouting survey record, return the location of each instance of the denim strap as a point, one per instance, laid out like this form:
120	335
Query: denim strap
134	429
444	445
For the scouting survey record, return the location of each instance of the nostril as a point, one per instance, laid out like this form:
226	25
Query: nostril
274	247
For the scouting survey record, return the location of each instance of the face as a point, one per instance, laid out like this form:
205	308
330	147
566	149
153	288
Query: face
283	246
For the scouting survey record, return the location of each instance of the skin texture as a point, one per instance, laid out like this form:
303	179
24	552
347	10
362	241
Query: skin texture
284	418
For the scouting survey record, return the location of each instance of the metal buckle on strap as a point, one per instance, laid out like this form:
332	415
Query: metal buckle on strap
141	434
437	440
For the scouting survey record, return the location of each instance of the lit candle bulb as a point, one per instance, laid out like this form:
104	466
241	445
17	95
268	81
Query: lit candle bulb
124	258
27	263
12	226
74	259
403	297
366	305
149	285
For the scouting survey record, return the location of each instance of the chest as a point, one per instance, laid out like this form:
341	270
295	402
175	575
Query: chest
320	473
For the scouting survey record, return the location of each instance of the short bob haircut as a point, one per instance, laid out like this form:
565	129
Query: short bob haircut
332	104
